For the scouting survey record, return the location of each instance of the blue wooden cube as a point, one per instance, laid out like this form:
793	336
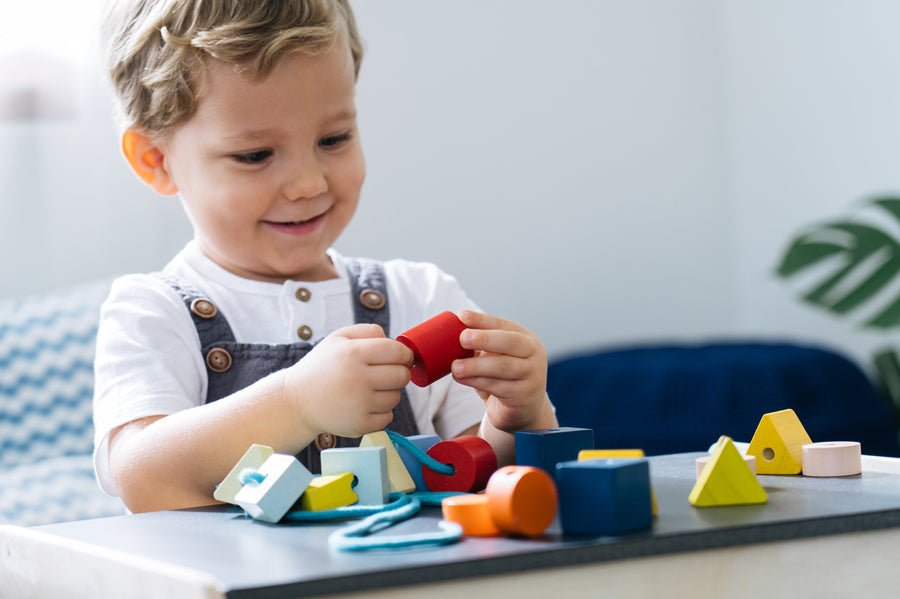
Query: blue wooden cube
423	442
604	497
545	448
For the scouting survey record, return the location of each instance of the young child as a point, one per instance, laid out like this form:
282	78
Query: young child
258	331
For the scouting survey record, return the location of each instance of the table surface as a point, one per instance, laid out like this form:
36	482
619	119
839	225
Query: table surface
237	557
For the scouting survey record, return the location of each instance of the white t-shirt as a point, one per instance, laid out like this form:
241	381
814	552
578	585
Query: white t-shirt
149	360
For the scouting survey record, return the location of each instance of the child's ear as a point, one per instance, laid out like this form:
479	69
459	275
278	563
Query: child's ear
148	162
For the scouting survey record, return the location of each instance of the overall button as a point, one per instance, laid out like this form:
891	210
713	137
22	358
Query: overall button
324	441
218	359
204	308
372	299
304	333
303	294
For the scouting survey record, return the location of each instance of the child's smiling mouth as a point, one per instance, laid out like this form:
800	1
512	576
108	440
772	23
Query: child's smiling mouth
297	227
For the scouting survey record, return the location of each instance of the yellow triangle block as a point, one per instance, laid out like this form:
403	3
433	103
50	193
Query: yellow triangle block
398	475
778	443
328	492
726	479
605	454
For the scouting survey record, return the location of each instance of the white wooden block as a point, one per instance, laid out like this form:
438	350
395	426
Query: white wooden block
834	458
368	465
398	475
285	481
231	484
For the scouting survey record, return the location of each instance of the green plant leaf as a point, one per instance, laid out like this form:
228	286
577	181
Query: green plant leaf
870	260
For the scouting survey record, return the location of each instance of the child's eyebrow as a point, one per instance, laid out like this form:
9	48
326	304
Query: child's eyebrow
253	134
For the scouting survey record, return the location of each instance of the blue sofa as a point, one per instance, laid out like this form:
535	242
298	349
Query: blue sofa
679	398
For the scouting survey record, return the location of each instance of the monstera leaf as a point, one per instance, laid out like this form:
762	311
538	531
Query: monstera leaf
864	260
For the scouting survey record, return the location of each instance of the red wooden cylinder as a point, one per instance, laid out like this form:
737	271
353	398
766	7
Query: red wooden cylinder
473	459
435	344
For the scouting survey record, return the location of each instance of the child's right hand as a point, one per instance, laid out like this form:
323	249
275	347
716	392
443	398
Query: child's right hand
349	383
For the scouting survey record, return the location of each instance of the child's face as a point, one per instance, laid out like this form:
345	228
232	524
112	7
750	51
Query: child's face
270	171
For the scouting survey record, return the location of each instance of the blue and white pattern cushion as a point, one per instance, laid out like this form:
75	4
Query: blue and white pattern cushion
46	391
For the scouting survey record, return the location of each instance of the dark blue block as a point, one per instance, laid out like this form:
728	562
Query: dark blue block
604	497
545	448
413	465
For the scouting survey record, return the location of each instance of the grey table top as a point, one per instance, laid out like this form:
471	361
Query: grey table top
254	559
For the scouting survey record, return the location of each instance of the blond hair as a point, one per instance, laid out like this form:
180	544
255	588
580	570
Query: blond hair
156	48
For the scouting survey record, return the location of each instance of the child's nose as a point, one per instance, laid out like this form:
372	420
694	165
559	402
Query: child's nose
306	180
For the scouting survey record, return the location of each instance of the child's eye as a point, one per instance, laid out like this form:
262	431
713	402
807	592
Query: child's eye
335	140
253	157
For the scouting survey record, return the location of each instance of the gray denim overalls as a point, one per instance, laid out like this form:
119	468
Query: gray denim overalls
231	366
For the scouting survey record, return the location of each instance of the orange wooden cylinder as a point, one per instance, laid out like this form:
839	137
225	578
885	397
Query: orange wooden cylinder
522	500
470	512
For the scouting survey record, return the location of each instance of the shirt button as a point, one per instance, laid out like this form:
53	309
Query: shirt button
372	299
303	294
218	359
324	441
203	308
304	333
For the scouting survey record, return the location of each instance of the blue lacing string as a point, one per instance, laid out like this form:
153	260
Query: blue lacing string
400	507
353	537
427	460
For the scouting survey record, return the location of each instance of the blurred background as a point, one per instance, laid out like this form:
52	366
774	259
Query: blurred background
605	172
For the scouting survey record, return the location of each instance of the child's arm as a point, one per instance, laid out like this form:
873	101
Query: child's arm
348	385
509	371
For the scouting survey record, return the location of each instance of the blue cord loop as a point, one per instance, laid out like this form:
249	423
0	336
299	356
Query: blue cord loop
250	476
353	537
427	460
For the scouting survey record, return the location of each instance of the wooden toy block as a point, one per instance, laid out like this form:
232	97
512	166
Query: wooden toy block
285	480
604	497
398	476
231	484
473	459
700	463
545	448
832	458
593	454
369	467
777	443
413	465
471	512
435	344
522	500
726	479
329	492
607	454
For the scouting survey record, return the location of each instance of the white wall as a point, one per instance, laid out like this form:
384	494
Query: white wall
604	172
814	111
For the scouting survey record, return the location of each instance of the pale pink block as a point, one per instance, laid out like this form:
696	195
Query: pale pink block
832	458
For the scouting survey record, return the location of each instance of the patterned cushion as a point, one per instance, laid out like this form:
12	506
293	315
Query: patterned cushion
54	490
46	390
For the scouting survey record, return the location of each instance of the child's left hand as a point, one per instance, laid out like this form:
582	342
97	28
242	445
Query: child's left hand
509	370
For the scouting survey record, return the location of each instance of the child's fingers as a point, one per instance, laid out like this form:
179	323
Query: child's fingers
490	366
497	342
386	377
385	351
480	320
360	331
488	386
